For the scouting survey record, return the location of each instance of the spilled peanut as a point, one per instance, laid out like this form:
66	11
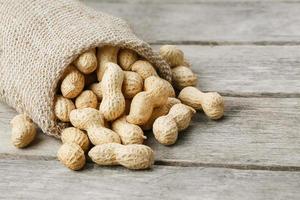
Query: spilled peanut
106	54
113	101
166	128
133	156
23	131
129	133
143	103
92	121
72	156
212	103
75	135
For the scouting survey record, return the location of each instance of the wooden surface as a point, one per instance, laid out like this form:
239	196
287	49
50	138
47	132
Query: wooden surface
245	49
271	71
211	22
255	133
48	180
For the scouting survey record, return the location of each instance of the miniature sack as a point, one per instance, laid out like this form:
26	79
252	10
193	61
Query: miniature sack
40	38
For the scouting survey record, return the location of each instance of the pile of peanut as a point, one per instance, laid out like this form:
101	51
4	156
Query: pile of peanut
110	96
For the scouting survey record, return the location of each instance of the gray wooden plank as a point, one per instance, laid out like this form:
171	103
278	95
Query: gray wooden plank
25	179
246	70
208	22
184	1
259	133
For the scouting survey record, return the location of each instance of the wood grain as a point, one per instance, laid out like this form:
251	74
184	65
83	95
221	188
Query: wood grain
209	22
184	1
246	70
25	179
254	131
257	133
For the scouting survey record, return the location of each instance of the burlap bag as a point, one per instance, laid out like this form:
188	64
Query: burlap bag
40	38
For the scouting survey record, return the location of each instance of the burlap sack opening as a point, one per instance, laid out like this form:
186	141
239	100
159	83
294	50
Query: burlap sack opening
38	41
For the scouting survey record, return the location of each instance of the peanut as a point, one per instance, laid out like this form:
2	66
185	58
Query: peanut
186	63
169	90
96	88
126	58
23	131
182	77
71	155
166	128
133	156
144	69
172	55
91	120
75	135
113	101
212	103
106	54
86	62
143	103
132	84
87	99
160	111
72	84
129	133
62	108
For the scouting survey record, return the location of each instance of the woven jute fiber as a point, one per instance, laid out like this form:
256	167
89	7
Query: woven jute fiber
40	38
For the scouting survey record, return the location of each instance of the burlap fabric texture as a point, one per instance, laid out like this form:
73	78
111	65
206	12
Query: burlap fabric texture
40	38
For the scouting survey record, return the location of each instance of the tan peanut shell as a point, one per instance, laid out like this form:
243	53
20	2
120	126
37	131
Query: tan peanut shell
212	103
144	69
113	101
183	76
160	111
172	55
106	54
87	99
92	121
72	156
133	156
62	108
169	89
143	103
126	58
75	135
72	84
186	62
158	88
23	131
129	133
86	62
96	88
132	84
166	128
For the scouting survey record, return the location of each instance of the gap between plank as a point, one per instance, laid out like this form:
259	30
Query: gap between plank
259	95
227	43
185	163
169	162
188	2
